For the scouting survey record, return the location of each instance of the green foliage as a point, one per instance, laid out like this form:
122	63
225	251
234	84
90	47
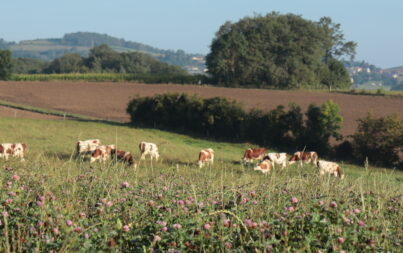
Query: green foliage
225	119
282	51
28	65
6	65
68	63
379	139
322	124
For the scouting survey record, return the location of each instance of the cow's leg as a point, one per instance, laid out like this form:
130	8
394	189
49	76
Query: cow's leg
200	164
143	156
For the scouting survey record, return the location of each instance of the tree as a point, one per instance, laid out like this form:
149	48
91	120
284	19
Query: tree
378	139
322	123
69	63
283	51
6	65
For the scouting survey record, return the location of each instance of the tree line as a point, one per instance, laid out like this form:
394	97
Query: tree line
380	140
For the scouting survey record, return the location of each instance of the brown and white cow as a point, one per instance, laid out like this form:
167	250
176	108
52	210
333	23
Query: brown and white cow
102	153
87	147
123	156
13	150
304	157
330	168
252	154
277	158
206	156
147	148
265	166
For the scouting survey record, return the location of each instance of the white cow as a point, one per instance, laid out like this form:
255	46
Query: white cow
87	147
330	168
265	166
147	148
277	158
12	149
206	156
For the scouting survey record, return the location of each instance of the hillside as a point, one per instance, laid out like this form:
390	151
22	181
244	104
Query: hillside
82	42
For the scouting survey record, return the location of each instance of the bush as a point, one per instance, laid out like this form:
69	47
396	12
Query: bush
379	139
226	119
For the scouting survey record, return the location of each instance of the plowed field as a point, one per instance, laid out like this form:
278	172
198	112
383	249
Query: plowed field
108	100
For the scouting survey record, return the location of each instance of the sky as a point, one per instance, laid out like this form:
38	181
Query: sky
190	25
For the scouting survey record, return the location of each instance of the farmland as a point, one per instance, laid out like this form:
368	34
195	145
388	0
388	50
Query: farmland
53	202
108	100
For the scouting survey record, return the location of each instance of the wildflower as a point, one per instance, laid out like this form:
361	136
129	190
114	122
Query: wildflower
181	202
125	185
69	223
341	240
164	229
226	223
77	229
5	214
207	226
290	209
347	212
321	202
55	231
253	194
104	201
157	238
177	226
356	211
126	228
41	198
12	194
294	200
150	203
82	215
361	223
108	204
8	201
333	204
86	235
160	196
39	203
15	177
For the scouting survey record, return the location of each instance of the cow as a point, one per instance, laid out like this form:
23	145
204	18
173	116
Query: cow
277	158
13	149
253	153
265	166
330	168
102	153
123	156
206	156
304	157
147	148
87	147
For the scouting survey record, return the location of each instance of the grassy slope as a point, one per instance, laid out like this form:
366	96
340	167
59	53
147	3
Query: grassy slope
49	168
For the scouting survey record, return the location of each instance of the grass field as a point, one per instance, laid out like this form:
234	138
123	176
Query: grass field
55	203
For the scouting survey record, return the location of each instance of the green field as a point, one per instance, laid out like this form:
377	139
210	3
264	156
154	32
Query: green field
173	205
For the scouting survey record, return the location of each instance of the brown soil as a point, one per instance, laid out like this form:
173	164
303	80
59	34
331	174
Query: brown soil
16	113
108	100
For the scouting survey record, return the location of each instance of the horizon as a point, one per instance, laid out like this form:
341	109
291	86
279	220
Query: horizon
372	25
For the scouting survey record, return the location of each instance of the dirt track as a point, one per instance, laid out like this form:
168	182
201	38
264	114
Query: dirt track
108	100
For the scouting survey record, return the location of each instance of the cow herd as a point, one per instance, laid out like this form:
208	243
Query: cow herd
267	161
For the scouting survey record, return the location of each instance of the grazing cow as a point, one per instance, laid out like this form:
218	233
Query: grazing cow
265	166
206	156
277	158
253	153
87	147
102	153
147	148
123	156
13	149
304	157
330	168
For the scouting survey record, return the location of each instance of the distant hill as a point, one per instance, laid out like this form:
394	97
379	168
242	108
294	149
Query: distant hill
82	42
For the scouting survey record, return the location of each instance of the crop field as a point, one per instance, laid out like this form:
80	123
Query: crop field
54	202
108	100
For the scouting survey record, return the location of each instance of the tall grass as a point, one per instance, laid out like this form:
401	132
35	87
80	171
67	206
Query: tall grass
54	202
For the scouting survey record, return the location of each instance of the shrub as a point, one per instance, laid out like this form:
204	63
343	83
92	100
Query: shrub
379	139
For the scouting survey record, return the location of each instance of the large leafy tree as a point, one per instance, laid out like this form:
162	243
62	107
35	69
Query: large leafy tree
283	51
6	65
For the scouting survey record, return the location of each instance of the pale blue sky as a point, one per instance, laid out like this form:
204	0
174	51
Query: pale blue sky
377	26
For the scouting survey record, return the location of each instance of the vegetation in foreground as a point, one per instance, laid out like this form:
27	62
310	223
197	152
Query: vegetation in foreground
55	203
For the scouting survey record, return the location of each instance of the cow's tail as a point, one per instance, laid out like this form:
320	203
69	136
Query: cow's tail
141	147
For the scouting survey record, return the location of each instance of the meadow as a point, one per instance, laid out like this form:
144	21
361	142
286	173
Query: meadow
54	202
